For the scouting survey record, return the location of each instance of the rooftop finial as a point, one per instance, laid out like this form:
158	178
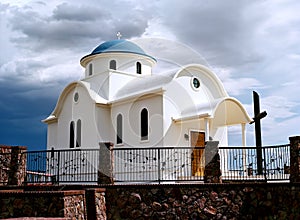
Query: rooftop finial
119	35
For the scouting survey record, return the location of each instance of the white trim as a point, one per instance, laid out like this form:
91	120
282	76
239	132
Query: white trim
189	118
139	96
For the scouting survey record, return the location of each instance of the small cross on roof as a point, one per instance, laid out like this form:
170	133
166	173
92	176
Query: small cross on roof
119	35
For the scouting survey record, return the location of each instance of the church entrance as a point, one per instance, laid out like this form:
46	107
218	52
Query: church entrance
198	160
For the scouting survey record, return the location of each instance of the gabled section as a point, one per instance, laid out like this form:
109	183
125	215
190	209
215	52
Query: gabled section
59	105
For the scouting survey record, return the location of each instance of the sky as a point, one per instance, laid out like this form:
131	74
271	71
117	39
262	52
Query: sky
250	45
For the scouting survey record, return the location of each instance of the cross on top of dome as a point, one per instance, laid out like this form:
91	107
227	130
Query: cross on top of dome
119	35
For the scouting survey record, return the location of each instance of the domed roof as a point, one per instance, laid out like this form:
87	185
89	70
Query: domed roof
117	46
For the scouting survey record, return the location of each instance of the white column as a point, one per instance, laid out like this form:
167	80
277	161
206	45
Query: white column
206	124
243	134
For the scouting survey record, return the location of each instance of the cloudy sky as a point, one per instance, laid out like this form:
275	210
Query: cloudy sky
251	45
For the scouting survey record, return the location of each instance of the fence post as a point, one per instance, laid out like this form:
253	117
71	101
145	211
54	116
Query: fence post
265	164
158	165
58	165
212	171
17	166
295	159
105	170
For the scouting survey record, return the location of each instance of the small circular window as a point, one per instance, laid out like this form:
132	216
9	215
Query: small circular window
195	83
76	97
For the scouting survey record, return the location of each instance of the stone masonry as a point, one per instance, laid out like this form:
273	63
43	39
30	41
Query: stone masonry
13	165
204	201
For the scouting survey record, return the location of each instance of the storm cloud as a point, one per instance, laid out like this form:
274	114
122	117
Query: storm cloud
251	45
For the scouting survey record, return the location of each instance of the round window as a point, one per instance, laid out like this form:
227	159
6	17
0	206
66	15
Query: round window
76	97
195	83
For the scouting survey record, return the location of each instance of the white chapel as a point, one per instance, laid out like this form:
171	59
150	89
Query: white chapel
120	101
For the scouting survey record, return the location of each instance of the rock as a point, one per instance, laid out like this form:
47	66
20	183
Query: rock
154	191
202	202
185	198
134	198
156	206
171	200
227	201
235	208
248	189
267	203
210	210
121	202
176	204
162	213
213	196
165	206
135	214
143	206
190	209
232	193
179	211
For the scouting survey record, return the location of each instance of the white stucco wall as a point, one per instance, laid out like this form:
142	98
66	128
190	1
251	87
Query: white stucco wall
52	135
103	122
180	96
85	110
131	111
125	63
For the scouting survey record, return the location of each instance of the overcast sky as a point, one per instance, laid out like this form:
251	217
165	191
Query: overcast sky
251	45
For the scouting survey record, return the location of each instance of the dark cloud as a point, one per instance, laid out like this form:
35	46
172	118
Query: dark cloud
79	13
255	42
72	26
21	116
217	28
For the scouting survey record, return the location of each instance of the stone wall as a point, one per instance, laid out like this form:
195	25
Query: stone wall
95	203
13	165
295	159
19	203
204	201
174	201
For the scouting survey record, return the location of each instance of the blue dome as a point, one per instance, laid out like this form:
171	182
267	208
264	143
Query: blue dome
118	46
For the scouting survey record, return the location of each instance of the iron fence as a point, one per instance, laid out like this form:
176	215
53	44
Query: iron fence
240	163
63	166
157	165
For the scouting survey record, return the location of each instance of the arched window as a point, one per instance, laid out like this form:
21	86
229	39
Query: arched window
113	65
71	141
144	124
78	133
119	129
90	69
138	68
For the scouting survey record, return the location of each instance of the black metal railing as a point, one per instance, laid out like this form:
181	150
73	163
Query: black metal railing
240	163
63	166
156	164
159	164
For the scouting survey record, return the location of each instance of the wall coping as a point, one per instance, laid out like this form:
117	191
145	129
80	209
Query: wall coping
10	147
42	193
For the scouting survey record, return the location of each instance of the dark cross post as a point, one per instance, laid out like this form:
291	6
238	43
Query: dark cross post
257	117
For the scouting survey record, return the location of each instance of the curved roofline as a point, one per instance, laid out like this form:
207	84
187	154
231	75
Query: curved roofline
235	101
209	110
184	70
84	60
58	108
116	46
